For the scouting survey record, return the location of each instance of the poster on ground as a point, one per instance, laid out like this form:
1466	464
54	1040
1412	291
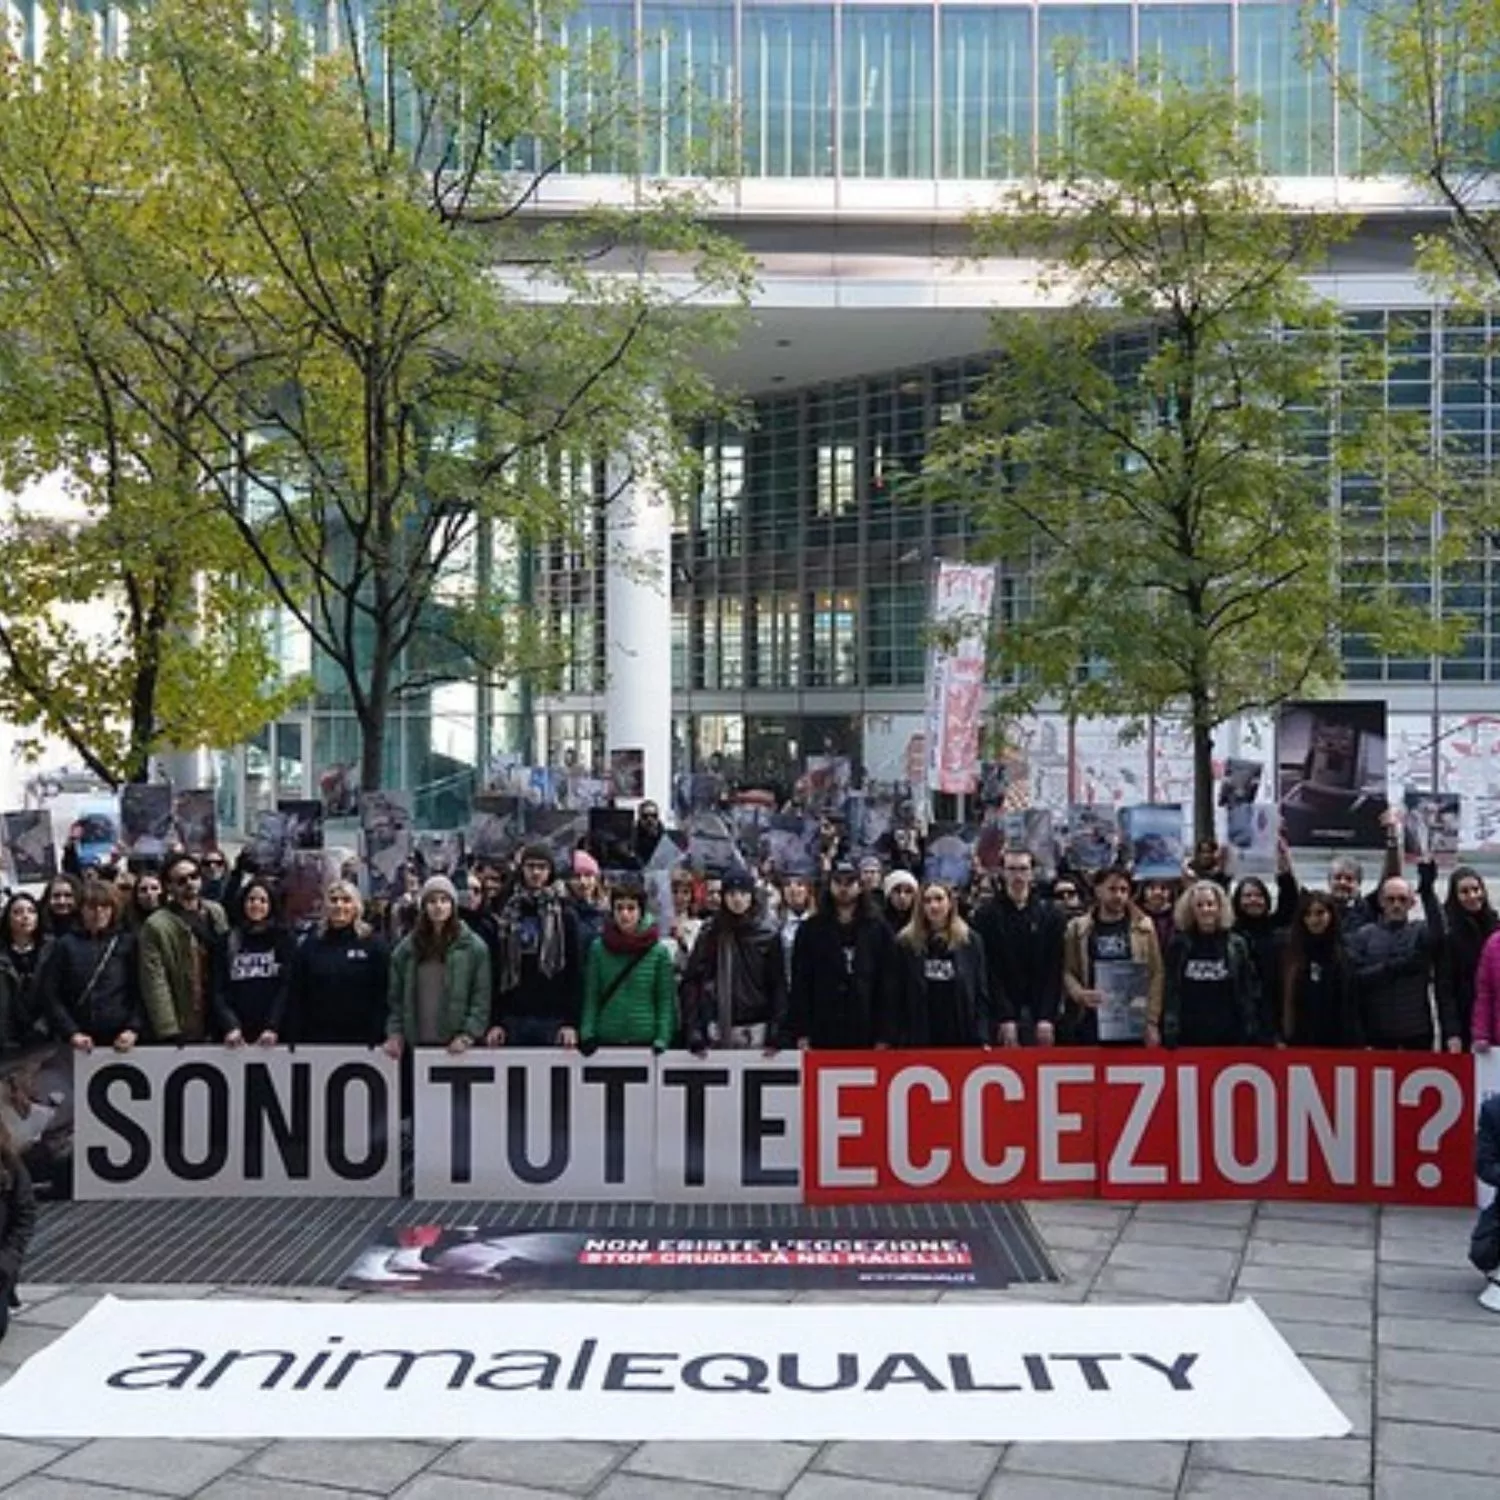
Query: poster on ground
1331	773
436	1258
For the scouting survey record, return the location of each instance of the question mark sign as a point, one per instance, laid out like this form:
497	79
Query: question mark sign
1450	1106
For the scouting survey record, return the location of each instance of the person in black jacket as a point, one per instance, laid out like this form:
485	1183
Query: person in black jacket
538	981
17	1222
22	950
943	986
253	964
843	970
339	976
734	983
1258	922
1316	988
1468	922
1211	992
90	984
1023	950
1394	966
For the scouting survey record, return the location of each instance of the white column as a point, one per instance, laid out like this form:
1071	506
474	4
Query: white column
638	622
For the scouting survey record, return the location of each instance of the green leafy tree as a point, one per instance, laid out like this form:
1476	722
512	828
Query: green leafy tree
130	623
401	341
1155	450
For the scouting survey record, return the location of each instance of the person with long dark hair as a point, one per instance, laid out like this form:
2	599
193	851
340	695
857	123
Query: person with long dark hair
60	904
944	987
146	896
90	984
1318	1006
440	978
253	965
1469	921
629	988
23	946
339	976
734	985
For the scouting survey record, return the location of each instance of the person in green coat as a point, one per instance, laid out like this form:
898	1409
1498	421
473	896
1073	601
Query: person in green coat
629	987
440	978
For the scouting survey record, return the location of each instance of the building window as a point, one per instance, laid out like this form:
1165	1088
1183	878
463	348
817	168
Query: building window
836	494
687	68
787	63
887	92
776	659
1073	38
1191	42
897	617
835	640
1295	128
988	95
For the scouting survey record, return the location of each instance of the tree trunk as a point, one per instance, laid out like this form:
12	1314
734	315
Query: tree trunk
1203	780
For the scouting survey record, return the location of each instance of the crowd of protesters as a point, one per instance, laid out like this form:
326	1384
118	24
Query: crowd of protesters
855	951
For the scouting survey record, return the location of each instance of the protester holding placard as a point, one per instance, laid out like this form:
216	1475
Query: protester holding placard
1211	991
1115	932
17	1222
90	985
1316	1000
439	978
339	991
1469	921
22	950
254	965
944	987
629	993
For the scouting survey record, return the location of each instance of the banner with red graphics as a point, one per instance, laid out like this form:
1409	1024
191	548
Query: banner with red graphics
1361	1127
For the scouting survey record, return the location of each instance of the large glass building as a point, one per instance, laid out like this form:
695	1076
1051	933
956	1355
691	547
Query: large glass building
864	133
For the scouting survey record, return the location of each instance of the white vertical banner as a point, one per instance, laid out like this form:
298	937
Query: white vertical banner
729	1128
518	1124
962	596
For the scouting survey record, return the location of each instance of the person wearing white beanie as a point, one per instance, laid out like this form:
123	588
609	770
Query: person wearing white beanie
440	978
900	898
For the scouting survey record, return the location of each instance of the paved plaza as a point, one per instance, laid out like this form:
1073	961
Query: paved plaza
1380	1304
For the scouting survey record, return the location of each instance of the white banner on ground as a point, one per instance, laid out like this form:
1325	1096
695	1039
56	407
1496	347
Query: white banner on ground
564	1371
255	1122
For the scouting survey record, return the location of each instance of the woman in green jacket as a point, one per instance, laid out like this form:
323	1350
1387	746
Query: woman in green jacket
440	978
629	988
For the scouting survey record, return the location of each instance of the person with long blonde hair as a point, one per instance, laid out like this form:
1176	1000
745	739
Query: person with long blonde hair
943	988
339	976
1212	989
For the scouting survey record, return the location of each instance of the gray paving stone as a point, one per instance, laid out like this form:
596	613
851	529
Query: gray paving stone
1302	1257
1078	1265
26	1339
1173	1232
1220	1484
1426	1367
840	1487
1329	1340
18	1458
250	1487
1337	1460
1473	1337
176	1468
372	1465
1463	1450
1419	1253
1305	1307
1198	1213
1175	1260
1351	1388
1164	1285
1147	1465
56	1312
751	1466
1319	1213
1395	1482
451	1487
644	1487
1441	1405
1259	1279
1395	1273
1078	1211
1077	1237
1006	1486
575	1467
40	1487
947	1466
1452	1304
